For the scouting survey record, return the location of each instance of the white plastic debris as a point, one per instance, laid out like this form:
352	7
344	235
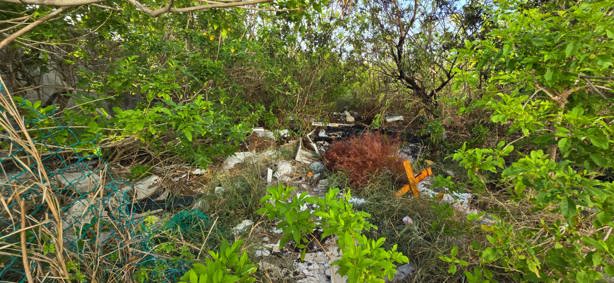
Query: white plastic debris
198	171
262	253
269	175
263	133
284	170
219	190
348	117
407	220
242	227
390	119
357	201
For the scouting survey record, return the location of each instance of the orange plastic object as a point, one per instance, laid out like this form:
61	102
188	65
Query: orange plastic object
413	181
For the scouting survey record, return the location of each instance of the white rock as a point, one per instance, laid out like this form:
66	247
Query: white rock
242	227
219	190
235	159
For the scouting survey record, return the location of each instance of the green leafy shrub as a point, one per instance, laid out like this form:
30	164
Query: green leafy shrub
337	215
362	259
297	223
365	260
546	66
227	265
198	130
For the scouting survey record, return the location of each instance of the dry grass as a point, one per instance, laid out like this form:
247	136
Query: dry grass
361	157
35	263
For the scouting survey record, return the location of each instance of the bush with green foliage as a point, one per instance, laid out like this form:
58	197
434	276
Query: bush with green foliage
293	211
362	259
226	266
548	69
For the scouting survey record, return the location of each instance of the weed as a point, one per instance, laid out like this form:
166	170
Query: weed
226	266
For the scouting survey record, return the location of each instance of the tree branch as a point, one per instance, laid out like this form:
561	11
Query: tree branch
30	26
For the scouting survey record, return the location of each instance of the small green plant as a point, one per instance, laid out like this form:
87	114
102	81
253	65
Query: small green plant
362	260
365	260
337	215
478	161
296	219
226	266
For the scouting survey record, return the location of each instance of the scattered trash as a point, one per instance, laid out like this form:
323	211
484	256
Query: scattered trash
390	119
322	185
317	266
269	175
262	253
305	156
348	117
317	167
322	134
262	133
79	213
219	190
331	125
242	227
413	181
357	201
284	134
284	170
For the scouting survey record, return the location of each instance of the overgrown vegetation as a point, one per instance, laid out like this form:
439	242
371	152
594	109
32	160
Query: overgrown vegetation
512	99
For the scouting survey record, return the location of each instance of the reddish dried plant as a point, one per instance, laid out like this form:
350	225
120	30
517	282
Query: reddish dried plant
362	156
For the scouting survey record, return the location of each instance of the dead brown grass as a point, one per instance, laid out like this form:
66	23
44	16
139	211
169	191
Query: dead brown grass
362	156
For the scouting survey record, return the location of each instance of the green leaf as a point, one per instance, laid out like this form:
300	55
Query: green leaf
570	48
598	138
564	145
548	75
488	255
568	209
